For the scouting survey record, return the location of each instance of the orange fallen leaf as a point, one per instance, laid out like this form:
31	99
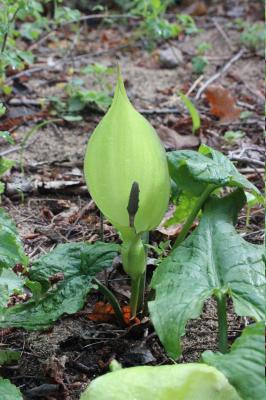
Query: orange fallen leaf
172	140
222	103
104	312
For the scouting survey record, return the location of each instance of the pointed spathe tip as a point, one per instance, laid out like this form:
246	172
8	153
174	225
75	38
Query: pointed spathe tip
120	87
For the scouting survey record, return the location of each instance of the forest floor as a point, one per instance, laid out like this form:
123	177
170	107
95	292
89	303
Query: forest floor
48	198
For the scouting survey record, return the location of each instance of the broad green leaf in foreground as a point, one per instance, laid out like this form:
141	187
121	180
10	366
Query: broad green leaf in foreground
192	171
11	248
213	259
9	391
73	265
9	282
167	382
244	365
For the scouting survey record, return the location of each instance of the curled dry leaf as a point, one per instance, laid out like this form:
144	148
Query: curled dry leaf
222	103
172	140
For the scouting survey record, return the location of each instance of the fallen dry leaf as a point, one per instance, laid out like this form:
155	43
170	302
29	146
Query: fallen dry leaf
104	312
172	140
170	231
222	103
7	124
197	9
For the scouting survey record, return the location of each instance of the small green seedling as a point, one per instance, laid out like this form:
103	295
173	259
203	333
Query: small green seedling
187	24
199	62
192	111
203	48
2	109
161	250
232	137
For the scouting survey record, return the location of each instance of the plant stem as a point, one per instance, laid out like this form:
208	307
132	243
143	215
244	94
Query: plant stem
182	235
135	295
112	300
222	323
145	240
101	227
142	285
7	31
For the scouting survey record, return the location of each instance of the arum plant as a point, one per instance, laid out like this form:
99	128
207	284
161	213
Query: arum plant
127	175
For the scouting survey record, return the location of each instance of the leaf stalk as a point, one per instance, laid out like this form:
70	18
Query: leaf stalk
182	235
222	323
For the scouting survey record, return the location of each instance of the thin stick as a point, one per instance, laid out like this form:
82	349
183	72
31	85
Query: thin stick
247	160
195	84
223	34
225	68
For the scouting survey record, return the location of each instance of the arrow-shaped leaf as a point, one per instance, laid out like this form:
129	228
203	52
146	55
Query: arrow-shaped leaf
214	258
244	365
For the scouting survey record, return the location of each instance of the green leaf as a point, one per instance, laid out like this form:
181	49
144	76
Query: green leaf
9	282
199	63
233	136
244	365
11	248
75	264
2	188
9	391
166	382
8	356
192	111
213	259
5	165
185	203
6	135
2	111
192	171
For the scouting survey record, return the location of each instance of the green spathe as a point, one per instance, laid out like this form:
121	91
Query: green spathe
124	149
167	382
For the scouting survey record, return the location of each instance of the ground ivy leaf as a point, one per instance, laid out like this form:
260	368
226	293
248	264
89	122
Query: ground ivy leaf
9	391
192	171
213	258
244	365
77	263
11	248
